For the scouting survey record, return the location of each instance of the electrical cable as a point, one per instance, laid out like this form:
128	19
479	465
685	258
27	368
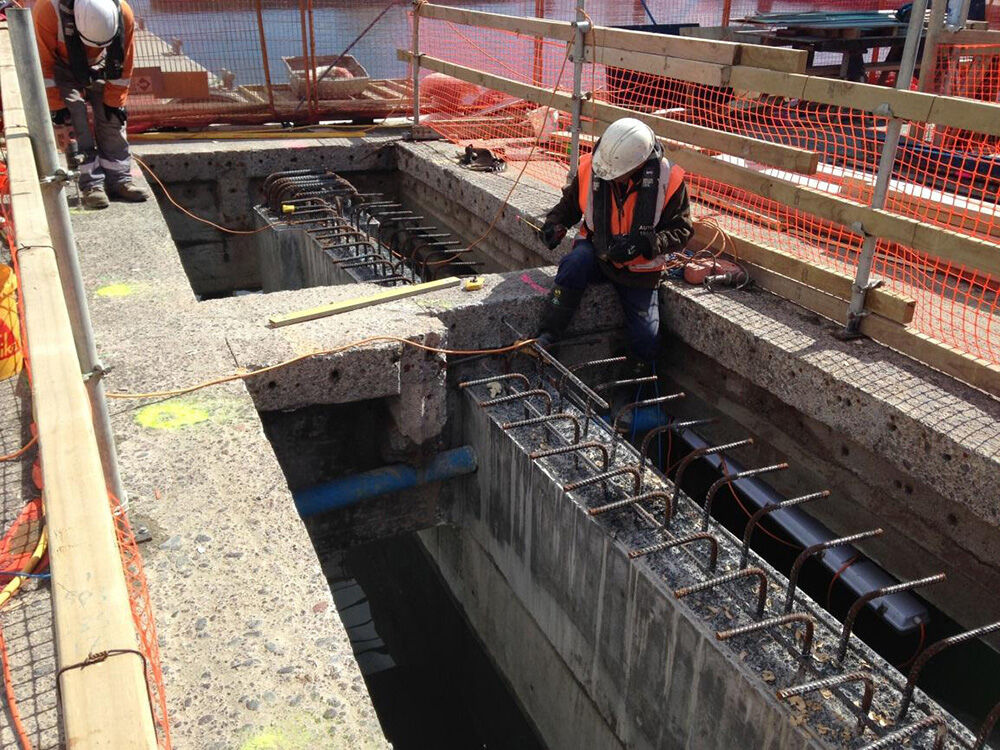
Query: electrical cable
8	687
732	490
20	451
841	569
920	647
323	352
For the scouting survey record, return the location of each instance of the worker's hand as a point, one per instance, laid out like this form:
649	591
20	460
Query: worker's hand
61	117
552	234
623	248
116	113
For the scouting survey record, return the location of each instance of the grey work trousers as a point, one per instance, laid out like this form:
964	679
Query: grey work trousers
105	148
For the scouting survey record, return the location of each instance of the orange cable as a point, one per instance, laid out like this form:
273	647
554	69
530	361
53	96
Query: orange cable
184	211
732	490
20	451
8	687
336	350
841	569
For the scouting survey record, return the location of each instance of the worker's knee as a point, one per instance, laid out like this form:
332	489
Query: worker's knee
576	269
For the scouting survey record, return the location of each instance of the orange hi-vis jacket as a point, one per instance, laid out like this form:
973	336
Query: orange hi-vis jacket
52	50
623	217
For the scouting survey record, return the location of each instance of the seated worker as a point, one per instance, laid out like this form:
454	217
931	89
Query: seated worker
635	211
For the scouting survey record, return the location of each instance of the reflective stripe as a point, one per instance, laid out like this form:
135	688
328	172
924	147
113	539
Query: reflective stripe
50	83
123	82
670	180
114	164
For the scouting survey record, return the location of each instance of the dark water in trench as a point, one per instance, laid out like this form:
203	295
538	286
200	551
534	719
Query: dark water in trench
430	679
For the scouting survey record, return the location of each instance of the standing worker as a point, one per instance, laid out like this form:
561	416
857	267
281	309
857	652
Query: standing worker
87	49
635	211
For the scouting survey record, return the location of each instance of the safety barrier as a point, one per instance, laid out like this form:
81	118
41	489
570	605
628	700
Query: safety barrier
783	161
109	680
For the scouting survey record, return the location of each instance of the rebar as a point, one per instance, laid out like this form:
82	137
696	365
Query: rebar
841	679
604	476
728	578
807	620
698	536
497	378
659	430
632	501
855	609
891	740
611	384
793	575
541	420
728	479
696	454
987	728
642	404
767	509
541	392
930	652
545	453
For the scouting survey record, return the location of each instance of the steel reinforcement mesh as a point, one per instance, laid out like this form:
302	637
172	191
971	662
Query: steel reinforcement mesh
942	176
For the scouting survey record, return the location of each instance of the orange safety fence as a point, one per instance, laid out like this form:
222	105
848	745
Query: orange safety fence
132	567
942	176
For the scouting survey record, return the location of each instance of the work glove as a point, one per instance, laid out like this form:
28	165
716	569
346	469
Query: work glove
116	113
61	117
552	234
626	247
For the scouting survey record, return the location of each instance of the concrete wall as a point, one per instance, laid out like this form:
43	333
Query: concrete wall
599	651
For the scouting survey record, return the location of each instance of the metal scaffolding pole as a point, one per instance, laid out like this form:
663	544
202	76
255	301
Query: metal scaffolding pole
862	278
582	27
54	177
416	65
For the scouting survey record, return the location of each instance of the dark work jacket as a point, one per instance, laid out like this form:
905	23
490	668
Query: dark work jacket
673	231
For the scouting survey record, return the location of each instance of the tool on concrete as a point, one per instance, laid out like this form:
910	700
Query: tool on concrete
474	284
357	303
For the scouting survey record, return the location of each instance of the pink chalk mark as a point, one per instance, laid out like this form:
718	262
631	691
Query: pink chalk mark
533	284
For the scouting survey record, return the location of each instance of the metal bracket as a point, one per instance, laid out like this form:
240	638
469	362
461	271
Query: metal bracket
98	373
884	110
873	284
60	176
858	228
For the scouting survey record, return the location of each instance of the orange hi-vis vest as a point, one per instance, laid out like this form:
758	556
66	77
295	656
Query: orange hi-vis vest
624	217
52	49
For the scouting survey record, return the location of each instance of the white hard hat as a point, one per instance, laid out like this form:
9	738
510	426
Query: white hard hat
625	145
96	21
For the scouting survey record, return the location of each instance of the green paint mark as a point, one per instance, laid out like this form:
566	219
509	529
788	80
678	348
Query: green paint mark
171	415
116	290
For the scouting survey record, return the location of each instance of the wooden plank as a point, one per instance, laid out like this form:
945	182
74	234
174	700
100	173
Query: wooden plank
664	45
936	241
969	36
774	154
106	704
888	304
957	112
335	308
694	71
516	24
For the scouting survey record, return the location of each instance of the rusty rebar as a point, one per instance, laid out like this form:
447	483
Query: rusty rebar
542	420
891	740
541	392
611	384
767	509
841	679
808	621
862	600
632	501
573	448
605	476
683	541
659	430
697	453
727	478
987	728
793	575
641	404
933	650
729	577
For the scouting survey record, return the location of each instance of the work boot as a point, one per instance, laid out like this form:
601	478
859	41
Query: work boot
94	198
559	310
128	192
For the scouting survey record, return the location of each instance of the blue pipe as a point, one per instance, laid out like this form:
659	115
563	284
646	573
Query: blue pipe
341	493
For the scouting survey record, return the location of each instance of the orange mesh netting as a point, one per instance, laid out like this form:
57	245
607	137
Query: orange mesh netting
942	176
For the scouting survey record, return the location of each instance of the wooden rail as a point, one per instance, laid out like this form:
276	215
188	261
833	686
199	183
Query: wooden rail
104	704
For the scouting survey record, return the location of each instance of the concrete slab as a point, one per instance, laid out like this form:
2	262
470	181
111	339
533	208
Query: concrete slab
253	650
